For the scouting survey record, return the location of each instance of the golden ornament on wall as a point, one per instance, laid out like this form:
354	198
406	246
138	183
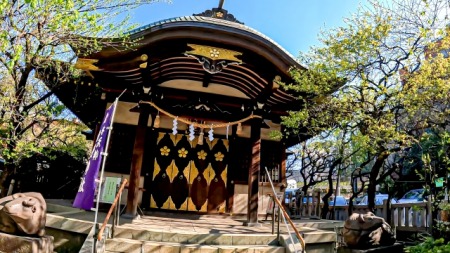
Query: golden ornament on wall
202	155
182	153
213	59
165	151
87	64
219	156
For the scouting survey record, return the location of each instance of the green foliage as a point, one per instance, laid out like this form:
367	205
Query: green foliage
442	230
444	206
396	83
54	182
430	245
38	35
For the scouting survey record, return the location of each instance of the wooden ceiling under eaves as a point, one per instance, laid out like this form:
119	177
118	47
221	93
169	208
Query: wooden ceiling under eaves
161	68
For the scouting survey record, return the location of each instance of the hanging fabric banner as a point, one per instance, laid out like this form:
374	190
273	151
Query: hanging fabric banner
86	191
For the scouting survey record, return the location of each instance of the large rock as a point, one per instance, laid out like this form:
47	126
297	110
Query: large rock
365	230
23	244
22	224
23	214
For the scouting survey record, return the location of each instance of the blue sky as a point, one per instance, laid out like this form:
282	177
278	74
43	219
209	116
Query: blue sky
294	24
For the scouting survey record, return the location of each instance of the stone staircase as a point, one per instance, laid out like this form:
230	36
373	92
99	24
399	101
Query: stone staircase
131	240
184	234
142	241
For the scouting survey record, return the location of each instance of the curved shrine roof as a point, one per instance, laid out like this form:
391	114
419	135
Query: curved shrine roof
200	21
164	60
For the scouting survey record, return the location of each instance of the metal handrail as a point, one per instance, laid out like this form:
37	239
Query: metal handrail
113	205
286	216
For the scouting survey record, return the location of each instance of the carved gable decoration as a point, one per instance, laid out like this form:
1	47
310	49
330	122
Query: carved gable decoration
213	59
219	13
87	64
202	106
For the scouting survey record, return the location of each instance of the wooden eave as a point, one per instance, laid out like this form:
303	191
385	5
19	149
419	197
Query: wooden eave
164	43
205	29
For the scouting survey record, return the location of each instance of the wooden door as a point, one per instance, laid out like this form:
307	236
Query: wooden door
199	179
217	192
189	176
162	170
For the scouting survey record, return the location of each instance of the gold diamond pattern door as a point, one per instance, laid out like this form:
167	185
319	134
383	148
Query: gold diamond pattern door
162	170
199	179
180	173
170	187
217	192
189	176
209	176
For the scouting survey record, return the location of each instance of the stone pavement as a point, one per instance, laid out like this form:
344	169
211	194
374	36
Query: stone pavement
187	222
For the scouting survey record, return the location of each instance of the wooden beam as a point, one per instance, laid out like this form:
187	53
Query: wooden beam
283	158
136	163
206	80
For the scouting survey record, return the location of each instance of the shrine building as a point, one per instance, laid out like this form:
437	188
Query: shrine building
192	131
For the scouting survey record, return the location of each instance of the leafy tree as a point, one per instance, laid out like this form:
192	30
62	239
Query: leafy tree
381	55
54	172
313	166
41	34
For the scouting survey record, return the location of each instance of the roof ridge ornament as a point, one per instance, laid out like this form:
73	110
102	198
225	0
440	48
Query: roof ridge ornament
219	13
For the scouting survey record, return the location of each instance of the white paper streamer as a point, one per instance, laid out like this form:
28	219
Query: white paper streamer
174	128
228	127
210	133
191	132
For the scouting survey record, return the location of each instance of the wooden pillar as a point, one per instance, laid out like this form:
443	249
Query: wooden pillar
232	167
282	171
148	166
253	174
136	164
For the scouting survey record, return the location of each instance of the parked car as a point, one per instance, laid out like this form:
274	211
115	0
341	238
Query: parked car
412	196
308	199
358	199
340	201
379	198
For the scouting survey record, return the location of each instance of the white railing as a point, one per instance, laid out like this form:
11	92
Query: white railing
403	216
411	216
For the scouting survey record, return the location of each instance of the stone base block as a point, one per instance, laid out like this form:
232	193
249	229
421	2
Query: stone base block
396	248
23	244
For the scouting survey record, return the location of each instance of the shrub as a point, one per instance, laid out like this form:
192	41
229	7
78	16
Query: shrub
430	245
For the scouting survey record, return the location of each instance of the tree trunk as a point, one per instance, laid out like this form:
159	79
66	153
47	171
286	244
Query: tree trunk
305	190
326	206
5	178
350	206
371	188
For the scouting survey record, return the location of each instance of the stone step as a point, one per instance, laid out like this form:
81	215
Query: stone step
196	238
319	236
117	245
329	225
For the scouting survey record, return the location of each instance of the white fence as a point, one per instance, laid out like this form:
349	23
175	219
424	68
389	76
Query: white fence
404	217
